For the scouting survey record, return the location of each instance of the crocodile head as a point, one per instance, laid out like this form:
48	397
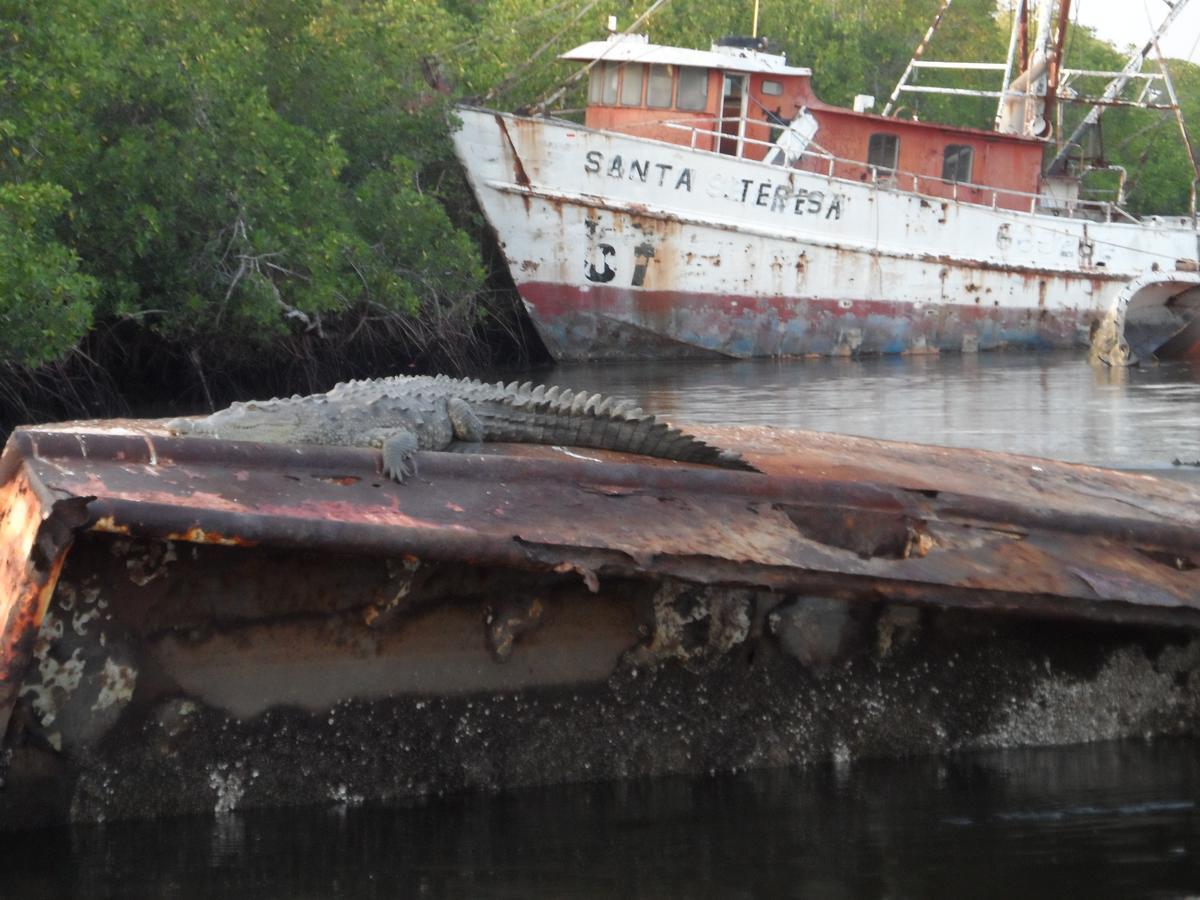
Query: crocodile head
267	421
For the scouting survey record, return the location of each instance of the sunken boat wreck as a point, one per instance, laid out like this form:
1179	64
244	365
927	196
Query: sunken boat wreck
192	623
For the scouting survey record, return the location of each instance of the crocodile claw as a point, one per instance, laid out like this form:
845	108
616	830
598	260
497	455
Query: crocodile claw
399	456
400	470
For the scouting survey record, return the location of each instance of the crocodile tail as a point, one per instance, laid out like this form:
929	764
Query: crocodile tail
554	416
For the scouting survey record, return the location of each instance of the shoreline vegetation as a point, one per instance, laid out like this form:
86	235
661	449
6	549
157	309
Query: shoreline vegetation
202	201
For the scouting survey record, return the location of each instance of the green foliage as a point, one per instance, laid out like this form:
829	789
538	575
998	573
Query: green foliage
407	238
217	158
44	299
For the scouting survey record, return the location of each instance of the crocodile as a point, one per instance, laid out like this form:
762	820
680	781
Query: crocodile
403	414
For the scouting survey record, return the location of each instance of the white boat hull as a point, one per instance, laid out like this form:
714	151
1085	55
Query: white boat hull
623	247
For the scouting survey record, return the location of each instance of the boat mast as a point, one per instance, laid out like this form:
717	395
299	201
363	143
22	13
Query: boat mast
1022	104
1022	108
1060	35
1020	19
1111	93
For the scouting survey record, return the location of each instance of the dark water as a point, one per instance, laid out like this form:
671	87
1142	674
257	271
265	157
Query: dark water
1107	820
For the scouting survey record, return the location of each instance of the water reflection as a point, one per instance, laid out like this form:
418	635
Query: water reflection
1115	819
1052	404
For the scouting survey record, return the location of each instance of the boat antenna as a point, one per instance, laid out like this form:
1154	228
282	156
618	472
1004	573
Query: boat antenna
754	24
1115	86
555	96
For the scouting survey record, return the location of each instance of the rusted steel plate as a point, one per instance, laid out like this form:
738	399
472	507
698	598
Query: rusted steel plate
36	531
1032	487
864	518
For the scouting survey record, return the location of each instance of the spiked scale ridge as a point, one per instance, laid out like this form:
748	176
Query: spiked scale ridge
565	416
553	399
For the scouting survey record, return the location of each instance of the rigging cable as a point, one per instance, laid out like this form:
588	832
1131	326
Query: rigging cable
518	73
556	95
525	23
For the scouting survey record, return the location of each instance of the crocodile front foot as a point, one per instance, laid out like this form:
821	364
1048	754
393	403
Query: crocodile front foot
399	456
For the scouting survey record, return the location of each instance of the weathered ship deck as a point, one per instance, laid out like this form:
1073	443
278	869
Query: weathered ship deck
193	624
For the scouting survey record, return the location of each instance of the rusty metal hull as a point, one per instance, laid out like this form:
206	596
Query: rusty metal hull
239	625
623	247
619	323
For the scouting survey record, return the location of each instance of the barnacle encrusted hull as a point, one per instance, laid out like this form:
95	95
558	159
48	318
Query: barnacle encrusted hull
403	414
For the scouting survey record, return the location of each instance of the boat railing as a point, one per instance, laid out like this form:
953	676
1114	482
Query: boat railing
933	187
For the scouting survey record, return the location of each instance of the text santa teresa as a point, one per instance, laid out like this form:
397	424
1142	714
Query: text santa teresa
773	196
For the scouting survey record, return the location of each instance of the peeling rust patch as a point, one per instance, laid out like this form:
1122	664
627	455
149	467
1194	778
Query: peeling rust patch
197	535
108	524
868	536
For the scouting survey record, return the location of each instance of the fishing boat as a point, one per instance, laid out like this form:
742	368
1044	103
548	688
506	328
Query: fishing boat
710	204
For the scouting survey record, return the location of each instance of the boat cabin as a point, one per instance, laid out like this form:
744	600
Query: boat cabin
737	100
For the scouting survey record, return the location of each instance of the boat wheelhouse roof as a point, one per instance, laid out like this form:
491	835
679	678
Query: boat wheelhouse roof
635	48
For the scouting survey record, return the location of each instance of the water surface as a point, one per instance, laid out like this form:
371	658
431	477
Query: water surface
1104	820
1053	405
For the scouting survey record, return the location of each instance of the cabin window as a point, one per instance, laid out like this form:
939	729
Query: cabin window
772	88
602	84
611	73
956	162
660	87
631	85
693	88
883	152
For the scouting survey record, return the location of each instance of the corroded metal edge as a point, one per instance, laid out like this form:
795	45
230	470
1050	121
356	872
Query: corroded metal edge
1078	534
36	532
